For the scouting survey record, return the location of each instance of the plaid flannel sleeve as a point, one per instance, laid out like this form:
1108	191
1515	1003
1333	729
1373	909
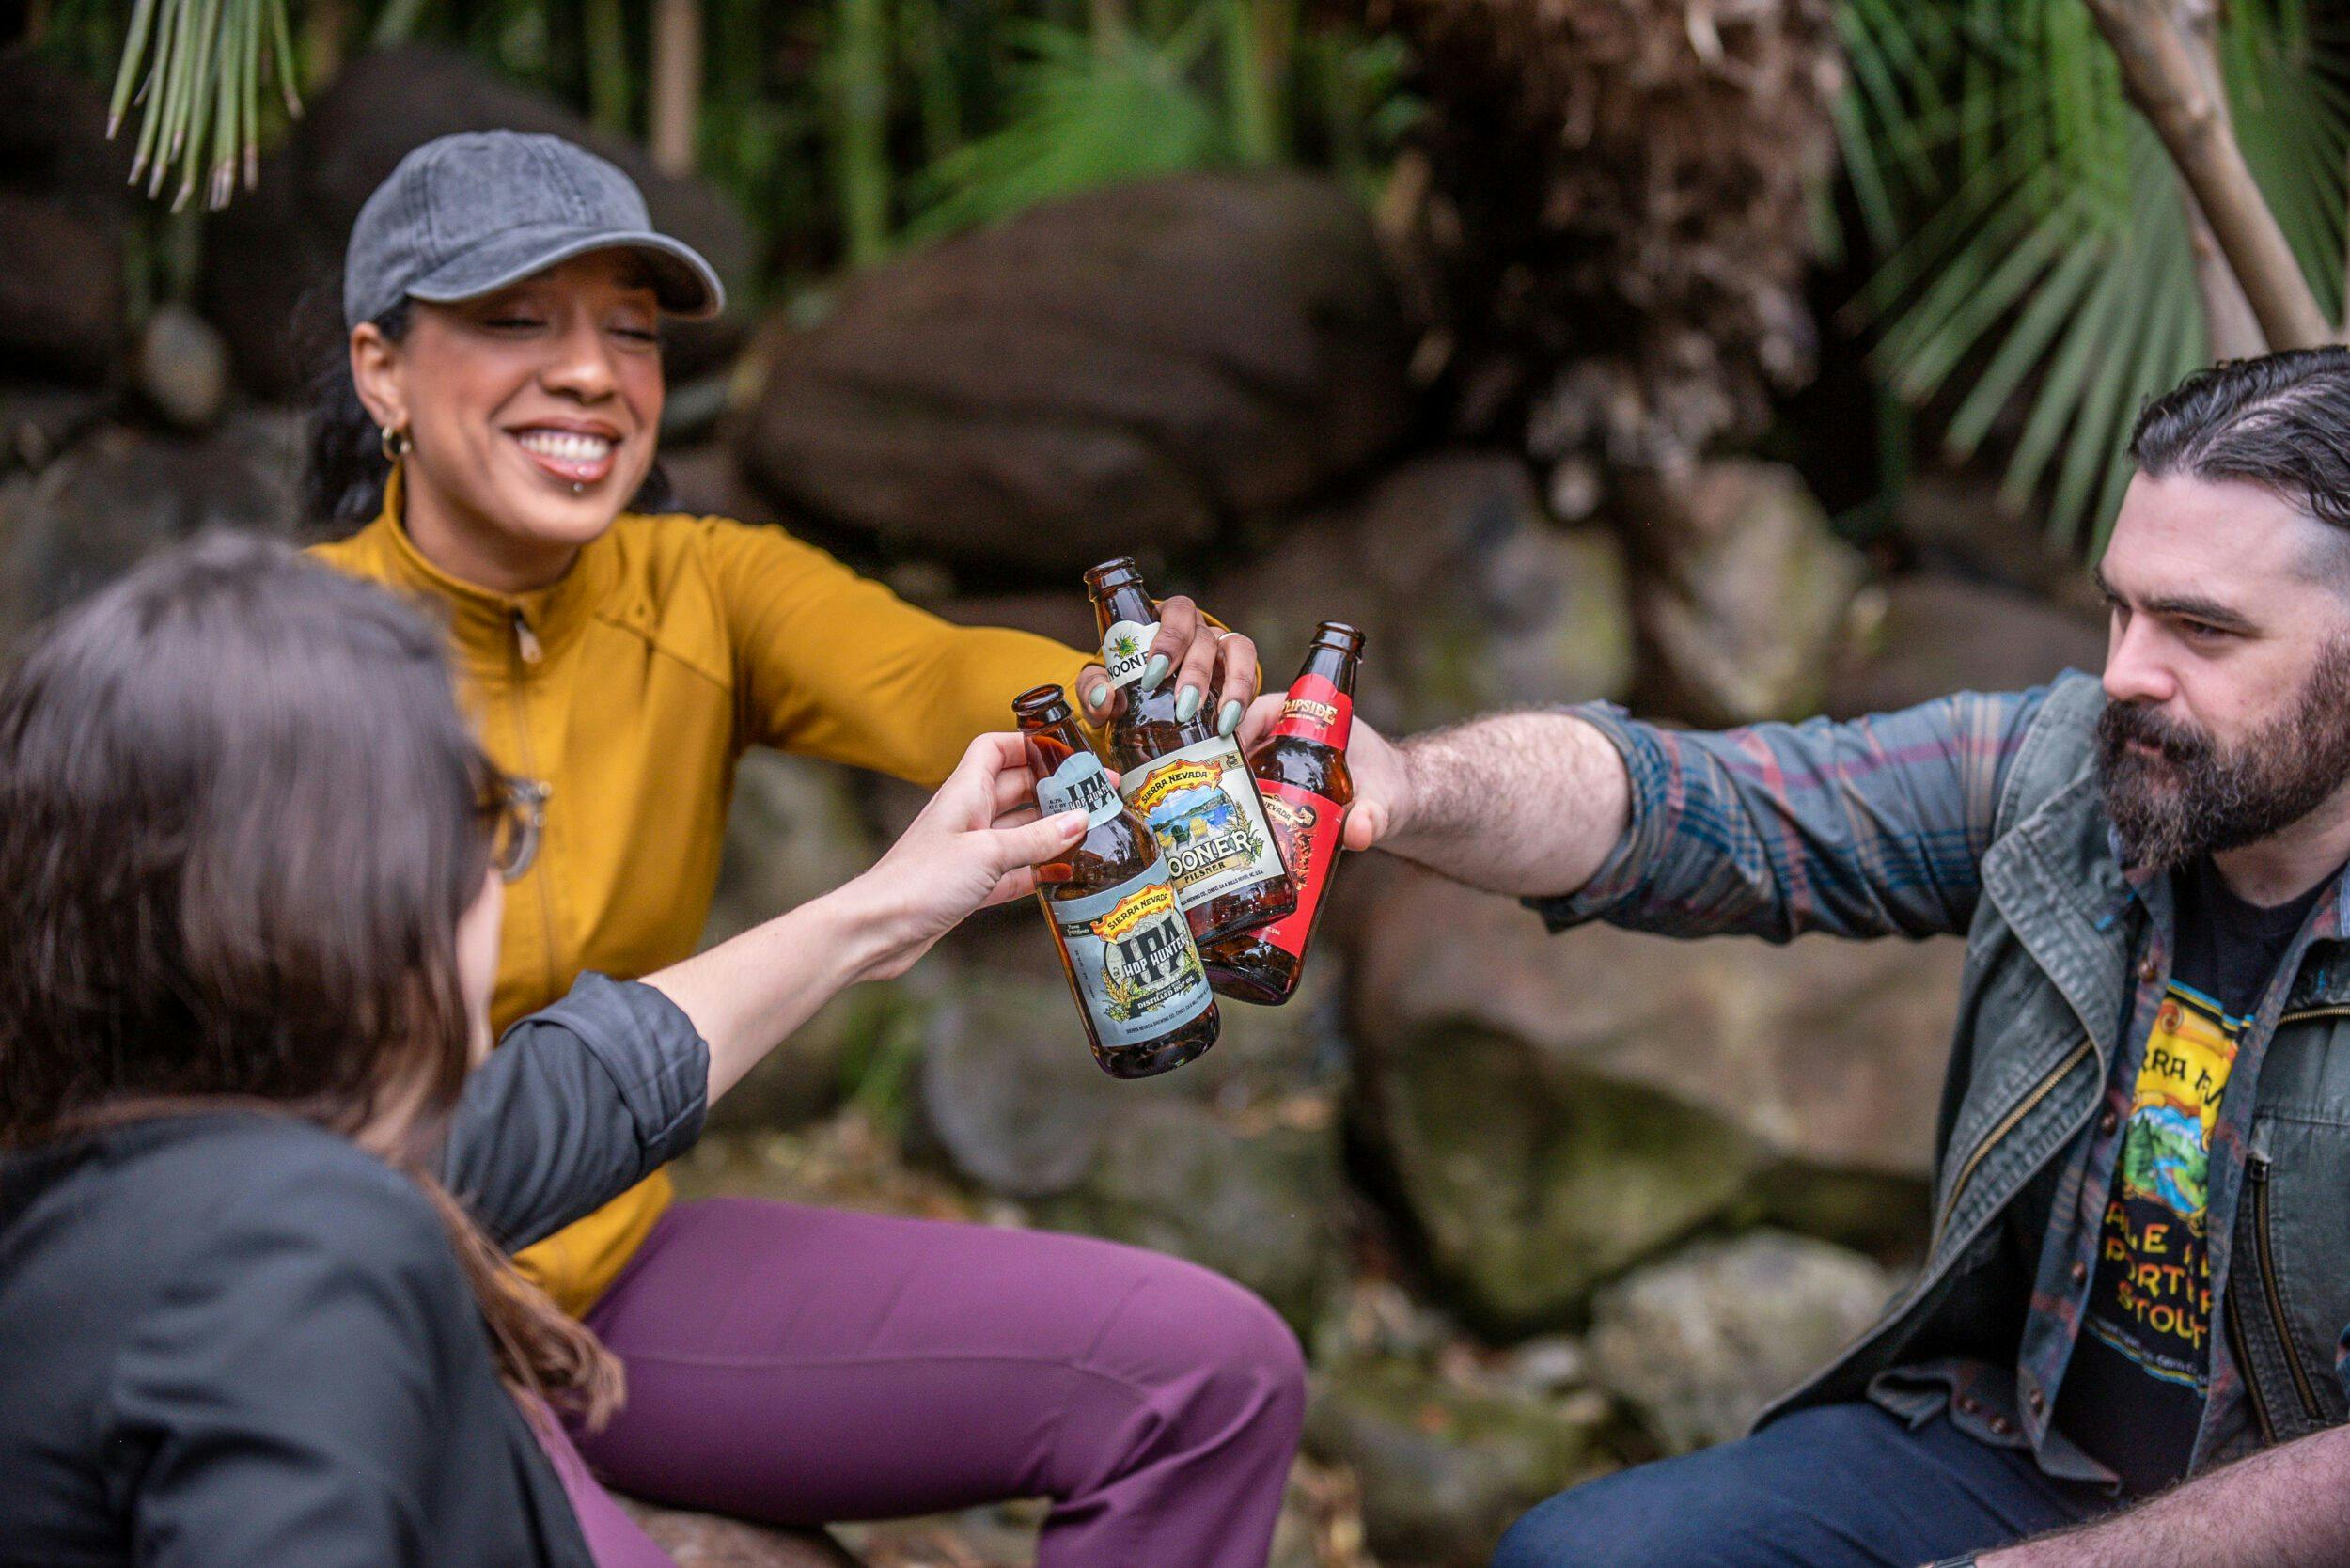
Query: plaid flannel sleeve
1873	827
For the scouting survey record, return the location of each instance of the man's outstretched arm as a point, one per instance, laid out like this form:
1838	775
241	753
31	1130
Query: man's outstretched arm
1867	828
2287	1506
1516	803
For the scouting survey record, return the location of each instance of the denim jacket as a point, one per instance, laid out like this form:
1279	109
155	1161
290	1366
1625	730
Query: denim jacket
1982	815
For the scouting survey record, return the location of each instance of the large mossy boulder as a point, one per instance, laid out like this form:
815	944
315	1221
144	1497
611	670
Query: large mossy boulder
1470	597
1445	1468
1551	1111
1741	593
1232	1161
273	260
1127	369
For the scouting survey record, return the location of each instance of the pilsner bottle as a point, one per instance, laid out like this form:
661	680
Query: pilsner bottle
1188	784
1125	945
1302	771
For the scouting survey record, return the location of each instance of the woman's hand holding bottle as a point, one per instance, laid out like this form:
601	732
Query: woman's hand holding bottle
973	846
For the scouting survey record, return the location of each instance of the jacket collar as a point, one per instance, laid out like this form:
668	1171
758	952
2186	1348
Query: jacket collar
487	626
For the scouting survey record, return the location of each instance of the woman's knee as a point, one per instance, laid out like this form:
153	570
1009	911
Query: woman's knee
1213	1346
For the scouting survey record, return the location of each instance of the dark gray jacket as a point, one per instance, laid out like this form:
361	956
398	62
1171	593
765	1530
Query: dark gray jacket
1983	815
233	1337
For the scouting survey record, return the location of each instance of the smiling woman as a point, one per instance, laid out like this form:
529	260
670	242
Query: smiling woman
528	414
503	295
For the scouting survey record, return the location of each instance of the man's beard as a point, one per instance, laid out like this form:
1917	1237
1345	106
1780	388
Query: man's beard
2196	798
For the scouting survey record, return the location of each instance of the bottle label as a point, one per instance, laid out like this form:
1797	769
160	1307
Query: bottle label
1309	828
1078	785
1201	804
1132	958
1317	710
1126	649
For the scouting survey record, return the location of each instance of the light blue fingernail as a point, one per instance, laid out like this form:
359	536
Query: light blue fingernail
1097	695
1229	720
1155	671
1187	703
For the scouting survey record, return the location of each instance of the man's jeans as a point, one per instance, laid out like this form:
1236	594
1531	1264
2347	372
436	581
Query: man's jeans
1842	1486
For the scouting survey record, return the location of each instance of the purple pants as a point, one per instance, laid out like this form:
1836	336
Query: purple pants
801	1366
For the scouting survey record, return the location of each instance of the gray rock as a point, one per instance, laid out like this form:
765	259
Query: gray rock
1122	370
1940	634
710	1541
273	260
1445	1469
1554	1110
183	368
1471	598
1740	593
1232	1161
118	495
1700	1343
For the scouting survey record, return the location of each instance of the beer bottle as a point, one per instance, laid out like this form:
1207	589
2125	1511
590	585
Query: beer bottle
1125	945
1301	769
1190	786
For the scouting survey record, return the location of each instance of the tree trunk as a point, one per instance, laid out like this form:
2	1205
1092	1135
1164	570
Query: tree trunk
675	106
2153	40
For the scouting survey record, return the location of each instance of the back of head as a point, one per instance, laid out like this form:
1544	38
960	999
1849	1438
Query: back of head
2281	422
238	826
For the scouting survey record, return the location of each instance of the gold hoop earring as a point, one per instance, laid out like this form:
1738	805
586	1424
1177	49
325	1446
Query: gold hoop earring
396	444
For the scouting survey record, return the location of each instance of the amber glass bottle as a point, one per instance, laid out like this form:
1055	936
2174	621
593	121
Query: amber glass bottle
1301	770
1188	784
1125	945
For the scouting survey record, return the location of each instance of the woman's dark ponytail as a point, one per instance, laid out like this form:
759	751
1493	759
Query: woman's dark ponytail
344	486
342	489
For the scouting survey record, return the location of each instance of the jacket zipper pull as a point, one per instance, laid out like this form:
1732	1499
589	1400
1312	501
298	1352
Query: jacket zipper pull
526	640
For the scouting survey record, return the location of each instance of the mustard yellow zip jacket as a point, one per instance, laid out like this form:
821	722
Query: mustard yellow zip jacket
629	688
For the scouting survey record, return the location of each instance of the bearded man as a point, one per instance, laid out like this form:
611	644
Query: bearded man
2124	1346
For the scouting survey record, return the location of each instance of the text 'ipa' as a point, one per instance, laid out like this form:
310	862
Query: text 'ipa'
1124	944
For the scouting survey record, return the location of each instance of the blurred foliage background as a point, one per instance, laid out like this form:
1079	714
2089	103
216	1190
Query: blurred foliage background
1731	359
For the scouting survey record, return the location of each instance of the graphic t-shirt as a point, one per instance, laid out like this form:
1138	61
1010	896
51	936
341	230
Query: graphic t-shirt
2133	1395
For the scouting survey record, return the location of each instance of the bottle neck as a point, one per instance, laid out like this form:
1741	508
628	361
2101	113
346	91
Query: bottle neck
1051	743
1321	703
1125	600
1331	662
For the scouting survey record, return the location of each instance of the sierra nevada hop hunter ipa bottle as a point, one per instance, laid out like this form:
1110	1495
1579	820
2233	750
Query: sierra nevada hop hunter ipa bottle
1301	770
1188	784
1124	944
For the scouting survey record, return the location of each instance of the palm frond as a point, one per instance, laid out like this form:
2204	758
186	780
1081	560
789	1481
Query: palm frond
2043	268
1086	113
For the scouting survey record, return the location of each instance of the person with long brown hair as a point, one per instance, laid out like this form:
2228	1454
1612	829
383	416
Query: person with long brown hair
489	429
259	1165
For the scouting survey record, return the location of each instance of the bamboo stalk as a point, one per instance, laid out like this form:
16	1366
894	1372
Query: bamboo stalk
675	106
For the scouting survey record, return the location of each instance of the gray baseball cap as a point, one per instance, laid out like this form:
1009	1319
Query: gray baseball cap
465	214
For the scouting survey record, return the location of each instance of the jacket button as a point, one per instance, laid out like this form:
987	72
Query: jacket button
2106	1123
2079	1272
2002	1426
1969	1405
2149	971
2035	1400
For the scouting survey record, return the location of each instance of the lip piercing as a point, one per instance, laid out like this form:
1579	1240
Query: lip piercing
578	489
